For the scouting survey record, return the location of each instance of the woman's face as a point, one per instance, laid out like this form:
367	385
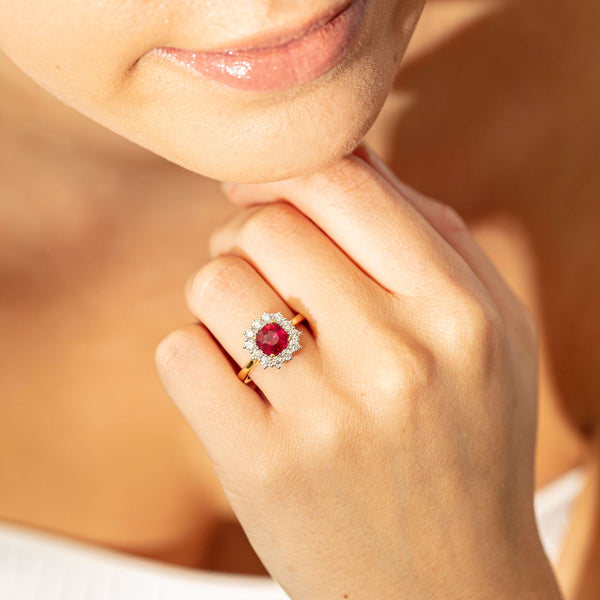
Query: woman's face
252	115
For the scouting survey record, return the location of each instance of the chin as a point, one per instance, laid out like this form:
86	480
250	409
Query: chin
286	139
251	138
236	136
204	124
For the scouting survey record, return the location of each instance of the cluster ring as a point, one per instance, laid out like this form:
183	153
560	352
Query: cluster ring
271	340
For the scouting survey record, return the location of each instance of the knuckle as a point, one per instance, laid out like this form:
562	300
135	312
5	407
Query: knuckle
347	175
484	321
339	432
171	352
476	330
268	221
405	373
387	395
401	374
215	280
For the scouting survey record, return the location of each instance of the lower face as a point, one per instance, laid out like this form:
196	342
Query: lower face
191	79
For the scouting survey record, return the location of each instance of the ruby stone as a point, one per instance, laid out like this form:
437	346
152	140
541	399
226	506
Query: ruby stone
272	339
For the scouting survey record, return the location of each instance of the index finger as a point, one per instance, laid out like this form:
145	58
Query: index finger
452	228
385	235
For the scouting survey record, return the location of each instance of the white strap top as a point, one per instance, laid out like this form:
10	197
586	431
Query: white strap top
553	506
40	566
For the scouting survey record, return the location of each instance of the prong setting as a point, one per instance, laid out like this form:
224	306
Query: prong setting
272	360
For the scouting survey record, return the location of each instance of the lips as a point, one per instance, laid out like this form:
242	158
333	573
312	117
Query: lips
284	61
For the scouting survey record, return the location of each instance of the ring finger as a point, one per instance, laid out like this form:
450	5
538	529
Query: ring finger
227	295
307	269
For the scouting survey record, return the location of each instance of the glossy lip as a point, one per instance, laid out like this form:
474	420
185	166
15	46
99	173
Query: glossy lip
271	39
278	61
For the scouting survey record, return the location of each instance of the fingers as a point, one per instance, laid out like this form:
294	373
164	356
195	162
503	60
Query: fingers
303	266
372	216
450	226
377	227
196	372
227	295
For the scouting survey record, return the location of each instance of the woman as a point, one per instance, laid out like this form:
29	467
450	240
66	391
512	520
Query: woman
393	455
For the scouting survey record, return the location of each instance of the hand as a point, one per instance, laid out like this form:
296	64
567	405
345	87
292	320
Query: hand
393	456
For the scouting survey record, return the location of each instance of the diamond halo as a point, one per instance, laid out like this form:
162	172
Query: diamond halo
272	360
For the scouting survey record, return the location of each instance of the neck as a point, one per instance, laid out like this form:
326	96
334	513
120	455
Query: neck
62	174
34	121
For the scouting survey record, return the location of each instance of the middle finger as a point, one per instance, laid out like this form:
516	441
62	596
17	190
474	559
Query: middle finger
304	266
381	230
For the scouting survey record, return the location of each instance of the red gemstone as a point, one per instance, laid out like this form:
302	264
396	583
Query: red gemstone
272	339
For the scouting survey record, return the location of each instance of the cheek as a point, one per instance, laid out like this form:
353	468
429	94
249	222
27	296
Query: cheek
85	52
76	49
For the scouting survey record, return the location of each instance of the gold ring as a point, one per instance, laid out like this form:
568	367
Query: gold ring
271	340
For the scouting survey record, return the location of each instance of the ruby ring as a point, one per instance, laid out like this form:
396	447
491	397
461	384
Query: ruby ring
271	340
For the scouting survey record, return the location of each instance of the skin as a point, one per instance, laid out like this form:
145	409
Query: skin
441	183
452	367
166	110
50	44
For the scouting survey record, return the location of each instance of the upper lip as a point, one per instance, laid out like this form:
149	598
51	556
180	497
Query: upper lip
283	36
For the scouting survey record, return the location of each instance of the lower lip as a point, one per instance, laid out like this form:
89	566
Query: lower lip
280	67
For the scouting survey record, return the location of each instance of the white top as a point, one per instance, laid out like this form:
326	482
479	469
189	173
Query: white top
40	566
553	506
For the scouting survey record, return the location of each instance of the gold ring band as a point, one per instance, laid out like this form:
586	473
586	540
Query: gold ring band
260	357
297	319
244	373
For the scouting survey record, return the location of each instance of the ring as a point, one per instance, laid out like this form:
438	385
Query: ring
271	341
